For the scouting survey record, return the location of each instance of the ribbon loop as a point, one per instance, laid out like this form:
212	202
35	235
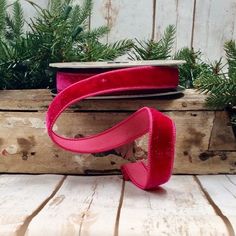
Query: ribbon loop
146	120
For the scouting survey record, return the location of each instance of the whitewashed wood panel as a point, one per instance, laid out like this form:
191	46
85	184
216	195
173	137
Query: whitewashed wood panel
178	13
214	24
82	206
29	10
126	19
20	198
131	19
100	15
234	34
178	208
222	190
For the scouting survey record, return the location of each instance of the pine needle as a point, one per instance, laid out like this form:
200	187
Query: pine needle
221	87
2	15
18	19
154	50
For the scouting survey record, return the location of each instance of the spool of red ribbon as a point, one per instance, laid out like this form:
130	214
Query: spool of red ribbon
158	168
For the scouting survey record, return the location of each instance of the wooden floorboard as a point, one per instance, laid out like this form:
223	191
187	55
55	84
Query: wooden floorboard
105	205
177	208
83	206
221	190
21	196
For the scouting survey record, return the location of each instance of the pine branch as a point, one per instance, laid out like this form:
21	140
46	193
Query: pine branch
55	35
168	39
95	51
94	34
18	18
120	48
85	12
75	17
193	67
220	87
9	32
151	50
226	97
2	15
143	50
54	6
221	93
230	50
14	23
5	52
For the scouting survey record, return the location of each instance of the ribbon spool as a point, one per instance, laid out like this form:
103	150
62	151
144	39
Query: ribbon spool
161	128
72	72
65	79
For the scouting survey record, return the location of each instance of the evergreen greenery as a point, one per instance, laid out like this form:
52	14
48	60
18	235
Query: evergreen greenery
193	67
162	49
62	33
154	50
59	33
220	86
207	77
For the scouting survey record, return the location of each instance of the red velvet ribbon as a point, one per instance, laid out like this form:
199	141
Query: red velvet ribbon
161	128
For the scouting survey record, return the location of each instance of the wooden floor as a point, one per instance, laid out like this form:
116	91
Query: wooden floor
76	205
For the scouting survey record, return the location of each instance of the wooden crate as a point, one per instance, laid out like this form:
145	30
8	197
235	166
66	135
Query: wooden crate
205	141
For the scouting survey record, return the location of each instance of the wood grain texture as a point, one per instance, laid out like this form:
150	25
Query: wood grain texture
83	206
21	150
178	13
194	132
222	137
54	205
125	19
222	191
21	197
100	16
38	100
130	19
26	148
214	24
177	208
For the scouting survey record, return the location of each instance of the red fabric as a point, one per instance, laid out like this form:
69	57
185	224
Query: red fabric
66	79
161	128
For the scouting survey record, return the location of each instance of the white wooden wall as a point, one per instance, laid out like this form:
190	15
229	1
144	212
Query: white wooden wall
203	24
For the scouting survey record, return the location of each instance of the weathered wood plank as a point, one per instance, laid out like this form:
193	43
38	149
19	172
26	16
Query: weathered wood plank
179	14
32	99
21	197
26	147
192	145
218	19
100	16
222	191
222	137
23	134
130	19
39	99
177	208
82	206
126	19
